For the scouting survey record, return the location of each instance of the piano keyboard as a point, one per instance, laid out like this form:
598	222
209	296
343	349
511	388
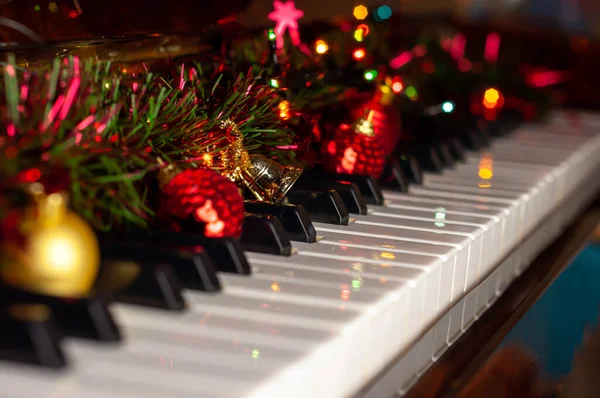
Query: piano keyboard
408	277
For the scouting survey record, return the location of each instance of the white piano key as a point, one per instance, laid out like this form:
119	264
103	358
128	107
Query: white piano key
490	248
514	211
460	243
474	232
537	193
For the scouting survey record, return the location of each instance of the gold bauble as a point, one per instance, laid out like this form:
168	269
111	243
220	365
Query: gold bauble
60	255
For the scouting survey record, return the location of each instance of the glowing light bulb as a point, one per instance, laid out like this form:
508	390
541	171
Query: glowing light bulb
361	31
274	83
370	74
448	106
321	47
207	159
397	87
275	287
358	35
491	95
382	13
360	12
359	54
411	92
271	35
284	110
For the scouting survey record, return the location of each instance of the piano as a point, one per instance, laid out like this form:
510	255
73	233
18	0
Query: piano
392	286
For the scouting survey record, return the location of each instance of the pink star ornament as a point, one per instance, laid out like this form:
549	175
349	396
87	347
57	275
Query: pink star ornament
286	16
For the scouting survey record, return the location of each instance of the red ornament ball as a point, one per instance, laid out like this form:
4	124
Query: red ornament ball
208	197
387	127
353	153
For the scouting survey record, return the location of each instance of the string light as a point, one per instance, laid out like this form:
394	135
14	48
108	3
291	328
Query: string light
358	35
492	98
411	92
271	35
370	74
382	13
492	47
448	106
274	83
284	110
359	54
321	47
397	85
360	12
361	31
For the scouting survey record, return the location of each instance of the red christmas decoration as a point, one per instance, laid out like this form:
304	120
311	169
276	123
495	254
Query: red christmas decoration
386	123
354	152
208	197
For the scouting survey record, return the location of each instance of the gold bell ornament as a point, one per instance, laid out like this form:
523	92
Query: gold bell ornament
57	252
268	180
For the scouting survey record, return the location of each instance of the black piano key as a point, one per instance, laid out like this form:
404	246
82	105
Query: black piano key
265	234
294	218
457	149
446	155
87	317
153	284
227	254
323	206
393	176
471	140
429	159
354	201
411	168
30	335
195	270
367	185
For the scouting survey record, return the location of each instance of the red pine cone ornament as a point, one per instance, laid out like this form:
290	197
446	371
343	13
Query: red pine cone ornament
208	197
386	123
354	150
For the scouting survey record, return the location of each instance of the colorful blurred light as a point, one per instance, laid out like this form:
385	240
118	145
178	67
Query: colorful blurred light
321	47
361	31
448	106
359	54
401	60
397	85
370	74
492	47
382	13
358	35
411	92
491	98
360	12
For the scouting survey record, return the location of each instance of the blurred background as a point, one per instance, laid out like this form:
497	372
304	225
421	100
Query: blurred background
556	34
